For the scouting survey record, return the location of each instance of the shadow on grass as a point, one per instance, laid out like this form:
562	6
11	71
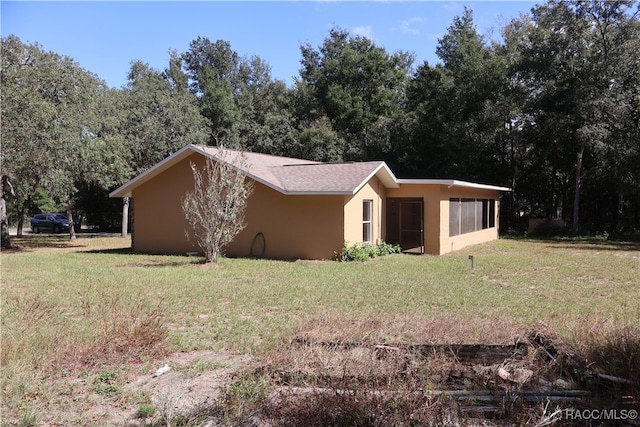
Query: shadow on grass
598	246
582	243
161	263
31	242
112	251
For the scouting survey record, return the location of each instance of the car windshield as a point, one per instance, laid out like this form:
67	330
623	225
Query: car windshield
61	217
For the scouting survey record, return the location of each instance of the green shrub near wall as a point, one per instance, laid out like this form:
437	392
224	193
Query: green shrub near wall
365	251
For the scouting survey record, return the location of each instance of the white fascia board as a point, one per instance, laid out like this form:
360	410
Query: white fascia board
453	183
318	193
388	178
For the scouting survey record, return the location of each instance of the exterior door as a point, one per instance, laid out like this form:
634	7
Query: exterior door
405	223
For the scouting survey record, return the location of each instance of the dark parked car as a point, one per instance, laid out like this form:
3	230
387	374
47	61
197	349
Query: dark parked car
50	222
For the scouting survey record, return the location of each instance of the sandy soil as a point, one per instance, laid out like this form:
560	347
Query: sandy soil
194	382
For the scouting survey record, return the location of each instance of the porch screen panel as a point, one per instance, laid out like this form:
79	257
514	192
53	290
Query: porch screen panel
454	217
467	216
479	214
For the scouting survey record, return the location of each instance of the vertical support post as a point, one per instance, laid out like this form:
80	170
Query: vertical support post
125	216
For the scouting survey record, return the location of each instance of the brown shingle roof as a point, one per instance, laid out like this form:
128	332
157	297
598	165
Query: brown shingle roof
325	178
297	176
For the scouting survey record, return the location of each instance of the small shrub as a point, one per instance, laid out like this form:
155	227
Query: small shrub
385	248
146	411
105	383
365	251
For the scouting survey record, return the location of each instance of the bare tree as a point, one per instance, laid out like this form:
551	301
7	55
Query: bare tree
215	208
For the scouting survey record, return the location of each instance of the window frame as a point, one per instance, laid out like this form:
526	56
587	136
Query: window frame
367	224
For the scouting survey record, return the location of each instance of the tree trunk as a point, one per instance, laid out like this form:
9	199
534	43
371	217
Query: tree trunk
4	220
125	216
20	221
72	228
576	194
552	206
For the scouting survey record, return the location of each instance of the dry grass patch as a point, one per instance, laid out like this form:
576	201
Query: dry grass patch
45	338
612	351
54	363
389	329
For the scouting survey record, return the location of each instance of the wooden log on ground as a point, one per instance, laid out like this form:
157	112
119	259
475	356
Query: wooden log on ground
486	354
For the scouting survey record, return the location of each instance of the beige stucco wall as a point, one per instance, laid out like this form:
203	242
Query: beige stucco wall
305	227
308	227
372	190
158	222
449	244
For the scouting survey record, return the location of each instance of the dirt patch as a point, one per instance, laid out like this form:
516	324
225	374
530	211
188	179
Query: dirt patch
189	389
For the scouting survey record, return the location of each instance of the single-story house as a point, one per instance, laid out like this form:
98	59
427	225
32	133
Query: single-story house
308	210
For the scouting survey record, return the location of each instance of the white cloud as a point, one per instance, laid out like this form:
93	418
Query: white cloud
364	31
409	25
453	7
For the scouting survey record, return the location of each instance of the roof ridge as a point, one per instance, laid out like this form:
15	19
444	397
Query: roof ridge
353	162
252	153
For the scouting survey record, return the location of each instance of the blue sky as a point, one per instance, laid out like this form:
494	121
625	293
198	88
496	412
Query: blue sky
104	37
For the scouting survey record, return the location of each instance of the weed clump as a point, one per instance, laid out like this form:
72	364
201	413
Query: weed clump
365	251
105	383
614	355
146	410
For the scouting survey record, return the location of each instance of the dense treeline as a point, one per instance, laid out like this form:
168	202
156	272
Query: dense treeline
551	110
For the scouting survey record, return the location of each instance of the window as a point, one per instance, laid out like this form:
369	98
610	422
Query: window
469	215
367	214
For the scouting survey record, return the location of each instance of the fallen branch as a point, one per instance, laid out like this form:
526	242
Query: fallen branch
487	354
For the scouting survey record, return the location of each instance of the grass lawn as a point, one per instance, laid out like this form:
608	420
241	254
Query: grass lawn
77	301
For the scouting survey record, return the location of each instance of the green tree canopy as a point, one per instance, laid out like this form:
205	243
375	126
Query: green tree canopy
49	119
358	87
